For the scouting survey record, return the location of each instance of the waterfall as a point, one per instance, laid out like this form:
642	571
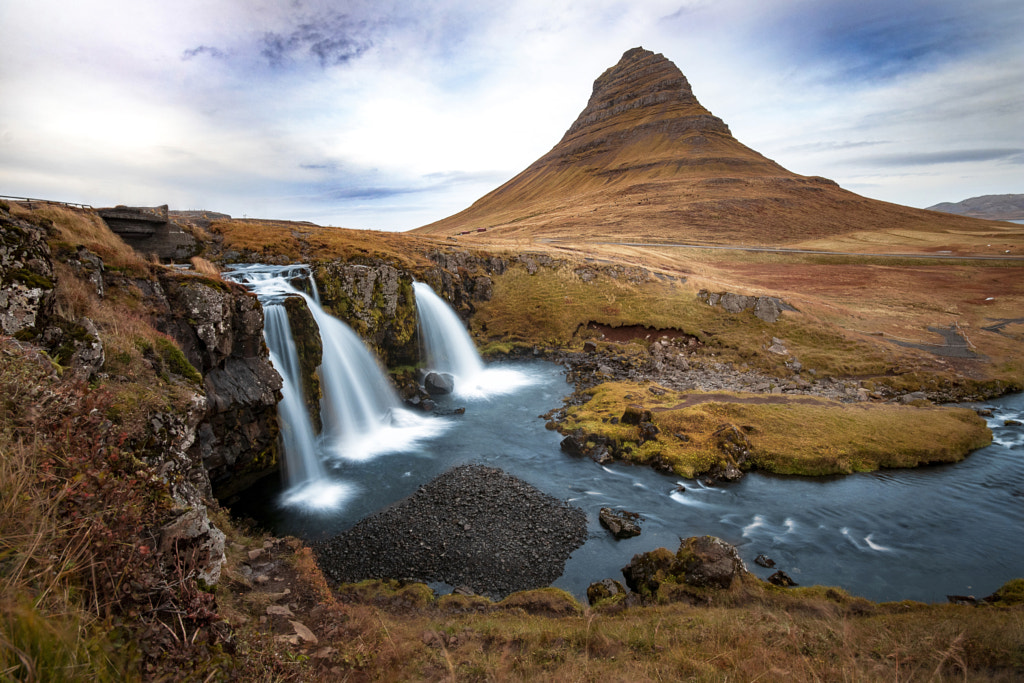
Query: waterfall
445	343
361	413
447	348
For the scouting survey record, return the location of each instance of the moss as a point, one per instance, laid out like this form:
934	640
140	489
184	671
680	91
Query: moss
176	362
29	279
811	437
547	601
1011	593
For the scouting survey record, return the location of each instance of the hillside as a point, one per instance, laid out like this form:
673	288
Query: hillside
997	207
645	161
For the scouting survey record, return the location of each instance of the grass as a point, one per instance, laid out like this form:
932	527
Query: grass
810	437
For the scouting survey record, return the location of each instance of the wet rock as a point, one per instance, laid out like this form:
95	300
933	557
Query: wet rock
1012	423
621	523
438	383
781	578
646	571
764	561
573	445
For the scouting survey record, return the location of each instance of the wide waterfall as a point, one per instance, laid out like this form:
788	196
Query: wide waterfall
447	348
361	413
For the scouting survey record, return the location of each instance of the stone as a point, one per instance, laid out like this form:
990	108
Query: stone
764	561
606	589
646	571
709	562
621	523
781	578
589	346
635	414
193	536
303	632
572	445
438	383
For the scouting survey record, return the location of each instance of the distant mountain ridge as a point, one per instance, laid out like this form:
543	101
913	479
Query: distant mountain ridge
646	161
997	207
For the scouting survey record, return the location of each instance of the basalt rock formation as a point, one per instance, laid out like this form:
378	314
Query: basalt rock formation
645	161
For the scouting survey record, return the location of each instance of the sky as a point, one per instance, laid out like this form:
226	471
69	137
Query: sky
391	114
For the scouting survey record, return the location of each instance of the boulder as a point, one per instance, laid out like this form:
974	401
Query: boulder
635	414
605	591
621	523
192	536
709	562
646	571
764	561
781	578
437	383
573	445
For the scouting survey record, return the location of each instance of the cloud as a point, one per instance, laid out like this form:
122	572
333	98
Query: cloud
1011	155
194	52
330	40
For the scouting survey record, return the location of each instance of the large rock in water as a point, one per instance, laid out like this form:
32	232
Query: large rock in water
473	526
439	383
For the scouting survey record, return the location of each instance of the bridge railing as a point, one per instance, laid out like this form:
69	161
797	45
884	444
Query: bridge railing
32	200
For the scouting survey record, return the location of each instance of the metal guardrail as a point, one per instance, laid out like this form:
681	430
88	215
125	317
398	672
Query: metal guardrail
32	200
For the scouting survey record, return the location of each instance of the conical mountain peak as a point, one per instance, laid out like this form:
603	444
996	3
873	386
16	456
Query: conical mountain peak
641	80
645	160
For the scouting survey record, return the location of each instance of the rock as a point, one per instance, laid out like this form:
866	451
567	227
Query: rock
781	578
26	275
709	562
778	347
303	632
635	414
913	396
438	383
192	539
572	445
279	611
1012	423
767	309
648	432
621	523
646	571
589	347
606	589
763	561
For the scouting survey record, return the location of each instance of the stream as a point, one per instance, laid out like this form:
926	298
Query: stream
918	534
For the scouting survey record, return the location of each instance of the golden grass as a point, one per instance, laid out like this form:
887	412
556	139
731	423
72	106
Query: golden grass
74	227
792	436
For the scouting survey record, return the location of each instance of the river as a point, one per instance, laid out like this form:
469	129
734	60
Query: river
898	534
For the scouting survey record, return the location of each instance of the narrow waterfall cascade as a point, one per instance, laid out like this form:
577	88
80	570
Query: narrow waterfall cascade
447	348
361	413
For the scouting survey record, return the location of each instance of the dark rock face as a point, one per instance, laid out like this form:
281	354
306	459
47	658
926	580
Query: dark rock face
621	523
310	349
26	274
438	383
377	302
220	329
764	561
473	526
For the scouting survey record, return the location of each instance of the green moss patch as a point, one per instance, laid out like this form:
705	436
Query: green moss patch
806	436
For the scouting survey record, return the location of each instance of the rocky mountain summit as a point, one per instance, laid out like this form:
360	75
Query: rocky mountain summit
645	161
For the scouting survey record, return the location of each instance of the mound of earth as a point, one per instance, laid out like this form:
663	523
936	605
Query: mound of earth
473	526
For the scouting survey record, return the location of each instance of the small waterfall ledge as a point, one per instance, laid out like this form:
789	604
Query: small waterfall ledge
361	414
447	348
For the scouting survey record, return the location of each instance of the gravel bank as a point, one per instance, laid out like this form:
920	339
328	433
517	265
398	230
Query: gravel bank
473	526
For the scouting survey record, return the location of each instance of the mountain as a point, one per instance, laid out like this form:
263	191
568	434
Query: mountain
997	207
646	161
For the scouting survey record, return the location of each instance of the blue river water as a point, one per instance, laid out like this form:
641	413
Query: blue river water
918	534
